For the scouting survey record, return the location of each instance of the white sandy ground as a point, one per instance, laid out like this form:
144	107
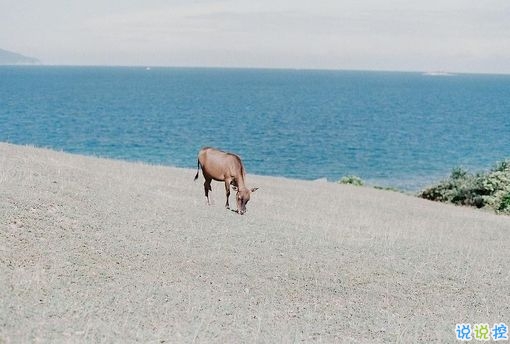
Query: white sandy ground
94	250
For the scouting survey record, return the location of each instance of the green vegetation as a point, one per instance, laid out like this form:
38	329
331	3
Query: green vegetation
488	190
388	188
353	180
357	181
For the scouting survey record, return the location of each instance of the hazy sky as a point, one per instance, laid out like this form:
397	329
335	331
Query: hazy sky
450	35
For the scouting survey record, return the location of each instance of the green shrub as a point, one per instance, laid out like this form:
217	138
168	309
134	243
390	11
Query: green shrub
482	190
353	180
502	166
504	205
458	173
387	188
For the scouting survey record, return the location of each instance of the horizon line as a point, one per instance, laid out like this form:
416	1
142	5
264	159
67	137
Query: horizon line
431	73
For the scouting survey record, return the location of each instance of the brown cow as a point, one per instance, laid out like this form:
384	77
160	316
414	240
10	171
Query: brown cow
224	167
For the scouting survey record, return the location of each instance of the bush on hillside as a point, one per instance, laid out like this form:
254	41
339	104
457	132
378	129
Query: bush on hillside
489	190
353	180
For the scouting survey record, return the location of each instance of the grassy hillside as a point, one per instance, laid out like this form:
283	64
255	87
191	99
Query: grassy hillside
94	250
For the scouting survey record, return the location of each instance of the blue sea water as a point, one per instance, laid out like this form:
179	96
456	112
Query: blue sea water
404	130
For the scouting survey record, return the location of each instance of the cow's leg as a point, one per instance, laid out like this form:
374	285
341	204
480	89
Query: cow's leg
227	191
207	188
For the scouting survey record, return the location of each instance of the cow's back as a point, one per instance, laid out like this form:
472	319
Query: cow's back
220	165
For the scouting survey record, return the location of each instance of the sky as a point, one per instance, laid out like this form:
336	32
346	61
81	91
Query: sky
402	35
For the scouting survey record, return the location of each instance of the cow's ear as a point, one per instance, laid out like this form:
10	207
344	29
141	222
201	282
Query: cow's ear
234	188
254	189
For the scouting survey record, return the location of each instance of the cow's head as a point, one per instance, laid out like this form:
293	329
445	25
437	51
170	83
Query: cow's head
242	197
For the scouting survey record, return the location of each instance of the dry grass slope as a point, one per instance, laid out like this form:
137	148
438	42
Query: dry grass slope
93	250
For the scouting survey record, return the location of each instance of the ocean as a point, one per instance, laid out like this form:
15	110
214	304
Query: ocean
392	129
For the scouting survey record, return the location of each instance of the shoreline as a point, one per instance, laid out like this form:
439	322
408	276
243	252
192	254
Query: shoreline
410	186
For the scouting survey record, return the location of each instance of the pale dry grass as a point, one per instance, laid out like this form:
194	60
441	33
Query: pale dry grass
93	250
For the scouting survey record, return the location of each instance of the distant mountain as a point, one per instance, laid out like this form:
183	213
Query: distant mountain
10	58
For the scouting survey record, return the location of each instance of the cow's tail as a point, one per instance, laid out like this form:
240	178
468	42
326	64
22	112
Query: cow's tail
198	169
